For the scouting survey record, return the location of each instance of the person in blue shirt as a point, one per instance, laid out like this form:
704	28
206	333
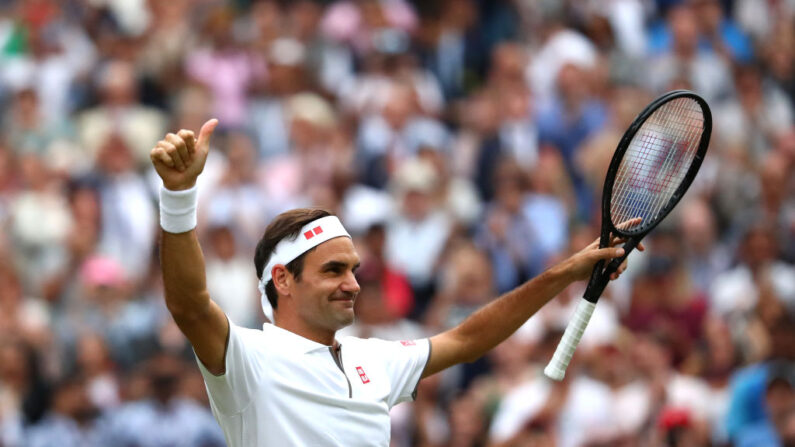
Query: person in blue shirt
718	32
779	399
751	410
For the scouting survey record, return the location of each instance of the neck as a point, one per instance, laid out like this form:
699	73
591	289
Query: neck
298	327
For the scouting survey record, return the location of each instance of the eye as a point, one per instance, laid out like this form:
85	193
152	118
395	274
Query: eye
333	269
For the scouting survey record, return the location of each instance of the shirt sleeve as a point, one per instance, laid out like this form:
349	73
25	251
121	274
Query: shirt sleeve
404	363
231	391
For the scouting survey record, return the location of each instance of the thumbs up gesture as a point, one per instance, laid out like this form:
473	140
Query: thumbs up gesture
179	158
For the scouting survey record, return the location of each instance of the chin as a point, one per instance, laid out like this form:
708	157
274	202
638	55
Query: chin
345	320
348	321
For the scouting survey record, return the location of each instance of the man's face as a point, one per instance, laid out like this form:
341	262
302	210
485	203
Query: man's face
325	294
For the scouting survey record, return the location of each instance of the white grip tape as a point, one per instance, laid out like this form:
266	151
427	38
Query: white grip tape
556	368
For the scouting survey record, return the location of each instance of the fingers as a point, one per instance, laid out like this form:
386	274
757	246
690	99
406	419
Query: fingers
177	150
205	133
615	240
160	155
189	138
182	154
620	240
619	270
607	253
629	223
173	153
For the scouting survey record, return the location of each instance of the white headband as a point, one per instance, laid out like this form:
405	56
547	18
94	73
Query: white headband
312	234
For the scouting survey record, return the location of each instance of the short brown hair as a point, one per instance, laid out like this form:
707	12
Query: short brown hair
286	225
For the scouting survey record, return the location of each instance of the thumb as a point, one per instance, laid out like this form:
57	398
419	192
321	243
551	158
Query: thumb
203	143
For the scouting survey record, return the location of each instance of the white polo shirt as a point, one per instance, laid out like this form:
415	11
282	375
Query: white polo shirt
281	389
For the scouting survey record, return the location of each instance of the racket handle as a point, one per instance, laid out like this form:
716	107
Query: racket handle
556	368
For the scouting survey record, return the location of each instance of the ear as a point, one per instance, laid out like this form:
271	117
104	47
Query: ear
282	280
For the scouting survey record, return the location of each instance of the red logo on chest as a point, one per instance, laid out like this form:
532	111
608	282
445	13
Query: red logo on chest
362	374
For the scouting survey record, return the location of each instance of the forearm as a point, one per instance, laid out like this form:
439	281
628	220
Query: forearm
184	280
496	321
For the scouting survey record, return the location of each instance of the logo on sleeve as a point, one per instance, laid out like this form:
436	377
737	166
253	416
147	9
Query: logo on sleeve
407	342
362	374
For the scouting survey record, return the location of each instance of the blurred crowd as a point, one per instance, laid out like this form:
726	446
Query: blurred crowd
463	143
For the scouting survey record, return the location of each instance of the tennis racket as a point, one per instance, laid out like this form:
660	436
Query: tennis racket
654	164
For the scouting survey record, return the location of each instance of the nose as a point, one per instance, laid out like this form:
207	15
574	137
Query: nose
350	284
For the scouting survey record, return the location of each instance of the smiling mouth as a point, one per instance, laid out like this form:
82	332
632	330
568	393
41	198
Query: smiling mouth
343	297
346	302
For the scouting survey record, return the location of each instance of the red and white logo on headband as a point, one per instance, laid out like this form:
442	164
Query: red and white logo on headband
314	231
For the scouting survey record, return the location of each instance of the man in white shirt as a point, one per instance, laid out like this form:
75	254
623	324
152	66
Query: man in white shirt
294	382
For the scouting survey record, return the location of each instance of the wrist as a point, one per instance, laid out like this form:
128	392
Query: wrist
179	186
178	209
563	272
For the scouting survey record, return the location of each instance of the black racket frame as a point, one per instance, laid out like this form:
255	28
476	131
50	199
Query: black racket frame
601	273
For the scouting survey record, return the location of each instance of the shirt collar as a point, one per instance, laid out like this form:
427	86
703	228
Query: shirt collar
300	343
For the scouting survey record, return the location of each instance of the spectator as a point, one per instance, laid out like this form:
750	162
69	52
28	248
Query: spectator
126	206
685	63
24	394
229	278
163	418
225	69
738	290
418	224
119	114
72	420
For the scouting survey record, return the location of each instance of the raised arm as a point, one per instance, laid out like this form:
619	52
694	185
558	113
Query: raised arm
179	159
496	321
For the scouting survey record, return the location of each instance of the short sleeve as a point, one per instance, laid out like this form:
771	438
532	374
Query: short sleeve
231	391
404	363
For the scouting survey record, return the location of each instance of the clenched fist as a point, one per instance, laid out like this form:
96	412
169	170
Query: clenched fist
179	158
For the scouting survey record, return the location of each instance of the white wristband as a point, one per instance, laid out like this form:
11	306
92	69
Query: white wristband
178	209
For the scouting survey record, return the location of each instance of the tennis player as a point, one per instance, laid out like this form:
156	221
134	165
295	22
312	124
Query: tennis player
294	383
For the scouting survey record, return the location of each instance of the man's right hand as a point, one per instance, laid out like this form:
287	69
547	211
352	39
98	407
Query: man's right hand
179	158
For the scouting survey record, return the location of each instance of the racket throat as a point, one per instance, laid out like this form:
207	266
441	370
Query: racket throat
597	283
600	276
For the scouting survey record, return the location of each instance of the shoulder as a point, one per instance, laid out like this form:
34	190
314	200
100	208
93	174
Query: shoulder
377	343
356	343
249	333
387	350
247	341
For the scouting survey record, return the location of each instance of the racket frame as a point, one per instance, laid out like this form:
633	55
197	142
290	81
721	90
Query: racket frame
556	369
601	273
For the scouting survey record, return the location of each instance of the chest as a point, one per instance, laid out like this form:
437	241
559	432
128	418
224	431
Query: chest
344	377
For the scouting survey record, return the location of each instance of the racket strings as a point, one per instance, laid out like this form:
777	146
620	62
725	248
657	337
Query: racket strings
651	180
656	161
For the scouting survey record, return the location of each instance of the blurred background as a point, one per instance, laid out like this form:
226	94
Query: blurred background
464	144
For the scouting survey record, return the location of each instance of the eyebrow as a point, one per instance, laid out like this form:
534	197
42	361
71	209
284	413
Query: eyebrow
330	265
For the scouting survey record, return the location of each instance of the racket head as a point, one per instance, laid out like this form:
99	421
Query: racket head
655	163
